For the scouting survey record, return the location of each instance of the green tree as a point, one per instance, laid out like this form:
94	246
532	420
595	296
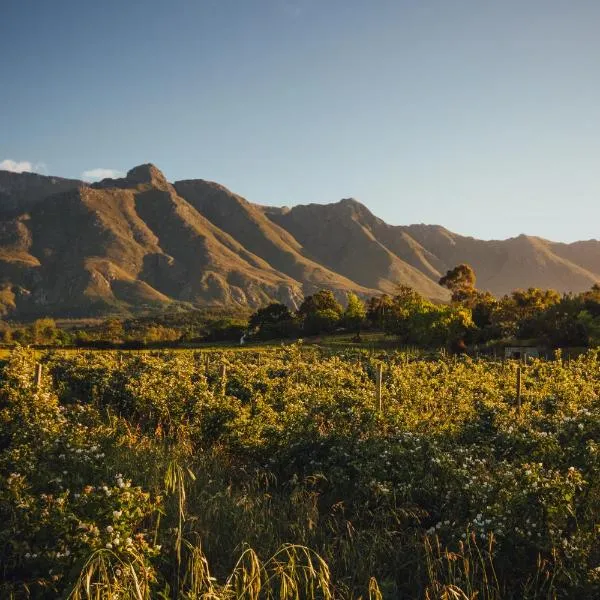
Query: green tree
113	331
270	315
44	331
321	321
591	300
320	313
405	306
460	281
274	321
5	333
355	313
562	324
321	300
519	314
591	325
158	333
377	309
483	306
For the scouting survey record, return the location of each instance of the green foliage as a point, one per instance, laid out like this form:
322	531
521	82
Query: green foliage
58	500
518	314
274	321
320	313
275	475
378	308
270	315
323	300
587	330
355	313
113	331
321	321
417	321
474	318
460	281
44	331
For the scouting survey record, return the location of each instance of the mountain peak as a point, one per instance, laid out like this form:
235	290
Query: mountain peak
353	204
350	202
147	173
356	209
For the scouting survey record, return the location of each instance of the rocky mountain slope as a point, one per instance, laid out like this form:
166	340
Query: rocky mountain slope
74	249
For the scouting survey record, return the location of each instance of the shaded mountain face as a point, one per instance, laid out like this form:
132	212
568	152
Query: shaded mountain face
248	224
502	266
20	192
121	245
343	237
126	244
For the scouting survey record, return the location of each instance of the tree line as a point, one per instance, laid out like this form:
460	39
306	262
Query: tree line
472	318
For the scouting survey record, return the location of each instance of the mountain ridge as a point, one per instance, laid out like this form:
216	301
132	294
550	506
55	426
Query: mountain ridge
140	242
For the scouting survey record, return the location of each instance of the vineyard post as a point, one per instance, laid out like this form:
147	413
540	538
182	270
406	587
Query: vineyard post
518	389
380	387
223	378
38	375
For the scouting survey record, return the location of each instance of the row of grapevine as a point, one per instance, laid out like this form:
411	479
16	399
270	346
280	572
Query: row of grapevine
294	473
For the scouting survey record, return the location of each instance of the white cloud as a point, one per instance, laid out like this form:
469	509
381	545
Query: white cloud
16	166
101	174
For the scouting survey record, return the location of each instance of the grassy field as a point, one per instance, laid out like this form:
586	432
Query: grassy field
288	472
370	341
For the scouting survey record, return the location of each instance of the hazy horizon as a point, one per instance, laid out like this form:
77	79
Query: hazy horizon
479	117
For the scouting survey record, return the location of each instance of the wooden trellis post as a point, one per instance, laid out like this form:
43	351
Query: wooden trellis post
518	391
38	375
223	379
379	383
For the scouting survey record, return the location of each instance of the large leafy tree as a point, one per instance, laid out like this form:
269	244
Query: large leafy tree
320	313
416	320
269	315
519	313
591	300
44	331
460	281
378	308
273	321
565	323
572	321
407	304
321	300
355	313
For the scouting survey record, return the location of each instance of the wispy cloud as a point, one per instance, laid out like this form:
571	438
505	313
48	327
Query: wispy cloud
101	174
16	166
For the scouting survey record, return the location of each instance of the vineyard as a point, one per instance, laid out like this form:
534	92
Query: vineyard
298	473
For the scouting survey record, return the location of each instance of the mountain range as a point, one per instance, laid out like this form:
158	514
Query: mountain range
70	248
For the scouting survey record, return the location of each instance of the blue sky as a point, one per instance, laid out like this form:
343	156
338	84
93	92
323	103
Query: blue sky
480	115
